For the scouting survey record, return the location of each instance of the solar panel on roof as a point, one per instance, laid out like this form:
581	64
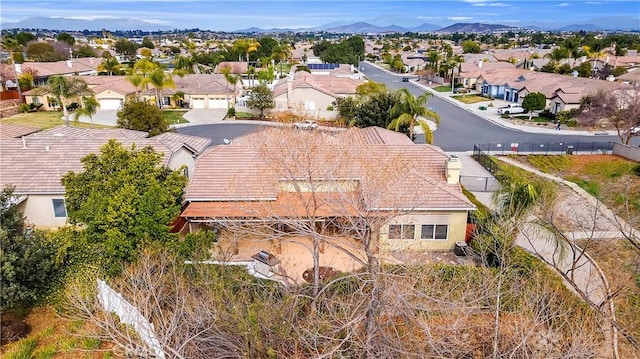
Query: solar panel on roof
323	66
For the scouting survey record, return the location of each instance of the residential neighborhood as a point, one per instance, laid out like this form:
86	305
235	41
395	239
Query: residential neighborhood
353	190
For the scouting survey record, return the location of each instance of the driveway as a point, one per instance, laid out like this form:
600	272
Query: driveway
204	116
102	117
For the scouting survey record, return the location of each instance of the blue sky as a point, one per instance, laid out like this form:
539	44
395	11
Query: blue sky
232	14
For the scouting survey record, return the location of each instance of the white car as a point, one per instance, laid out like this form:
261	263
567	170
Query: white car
306	125
510	109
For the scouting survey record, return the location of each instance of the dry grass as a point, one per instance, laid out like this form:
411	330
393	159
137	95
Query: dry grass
57	338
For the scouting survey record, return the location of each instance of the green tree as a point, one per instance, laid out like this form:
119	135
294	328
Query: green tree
232	80
412	111
183	65
64	37
371	87
124	197
261	98
64	90
85	51
110	65
534	101
140	115
373	109
584	69
146	42
27	258
42	52
470	47
160	81
126	49
25	37
89	107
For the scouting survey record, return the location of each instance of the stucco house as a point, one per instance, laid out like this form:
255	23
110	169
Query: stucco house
312	94
110	91
201	91
277	189
34	164
75	67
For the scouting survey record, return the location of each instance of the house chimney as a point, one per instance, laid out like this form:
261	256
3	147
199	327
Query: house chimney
480	64
69	64
453	166
289	89
18	68
24	142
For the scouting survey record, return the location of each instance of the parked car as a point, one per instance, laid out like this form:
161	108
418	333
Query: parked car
405	79
510	109
306	125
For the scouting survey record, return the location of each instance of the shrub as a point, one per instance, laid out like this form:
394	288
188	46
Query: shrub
568	117
24	108
504	115
231	112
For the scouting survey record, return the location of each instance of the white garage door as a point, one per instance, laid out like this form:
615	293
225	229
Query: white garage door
110	104
197	102
217	102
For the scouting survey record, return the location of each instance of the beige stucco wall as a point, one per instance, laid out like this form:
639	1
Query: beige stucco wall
182	157
109	94
38	210
457	222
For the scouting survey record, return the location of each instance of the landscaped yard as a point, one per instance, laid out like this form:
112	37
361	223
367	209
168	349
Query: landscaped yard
534	118
174	116
44	120
442	88
468	99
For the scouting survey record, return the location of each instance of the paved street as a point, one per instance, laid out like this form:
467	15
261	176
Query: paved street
461	128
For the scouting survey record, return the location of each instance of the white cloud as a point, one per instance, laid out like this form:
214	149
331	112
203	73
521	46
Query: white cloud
459	18
563	4
499	4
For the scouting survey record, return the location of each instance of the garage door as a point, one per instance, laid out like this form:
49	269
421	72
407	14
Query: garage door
197	102
110	104
217	102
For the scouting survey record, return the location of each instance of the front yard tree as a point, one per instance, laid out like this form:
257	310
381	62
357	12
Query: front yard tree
261	98
124	197
89	107
534	101
141	115
126	48
65	90
470	47
160	81
412	111
621	108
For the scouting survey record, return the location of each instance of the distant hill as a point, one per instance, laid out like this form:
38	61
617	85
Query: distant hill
580	27
61	23
365	28
425	28
474	27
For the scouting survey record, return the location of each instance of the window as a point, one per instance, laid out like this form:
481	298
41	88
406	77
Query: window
402	231
59	208
434	231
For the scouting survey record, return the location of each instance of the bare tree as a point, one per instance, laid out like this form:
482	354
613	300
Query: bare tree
620	107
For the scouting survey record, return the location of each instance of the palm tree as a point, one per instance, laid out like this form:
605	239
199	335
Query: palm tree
280	53
557	55
160	81
183	65
178	98
232	80
89	108
12	45
434	59
64	89
411	111
110	65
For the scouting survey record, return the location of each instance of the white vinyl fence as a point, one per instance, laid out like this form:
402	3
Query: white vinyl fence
113	301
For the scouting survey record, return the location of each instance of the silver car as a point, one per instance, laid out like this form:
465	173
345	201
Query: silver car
306	125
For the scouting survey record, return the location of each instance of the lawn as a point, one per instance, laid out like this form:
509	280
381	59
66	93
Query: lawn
43	120
174	116
442	88
468	99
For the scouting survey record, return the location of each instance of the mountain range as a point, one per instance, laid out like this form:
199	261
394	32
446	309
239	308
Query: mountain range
377	25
